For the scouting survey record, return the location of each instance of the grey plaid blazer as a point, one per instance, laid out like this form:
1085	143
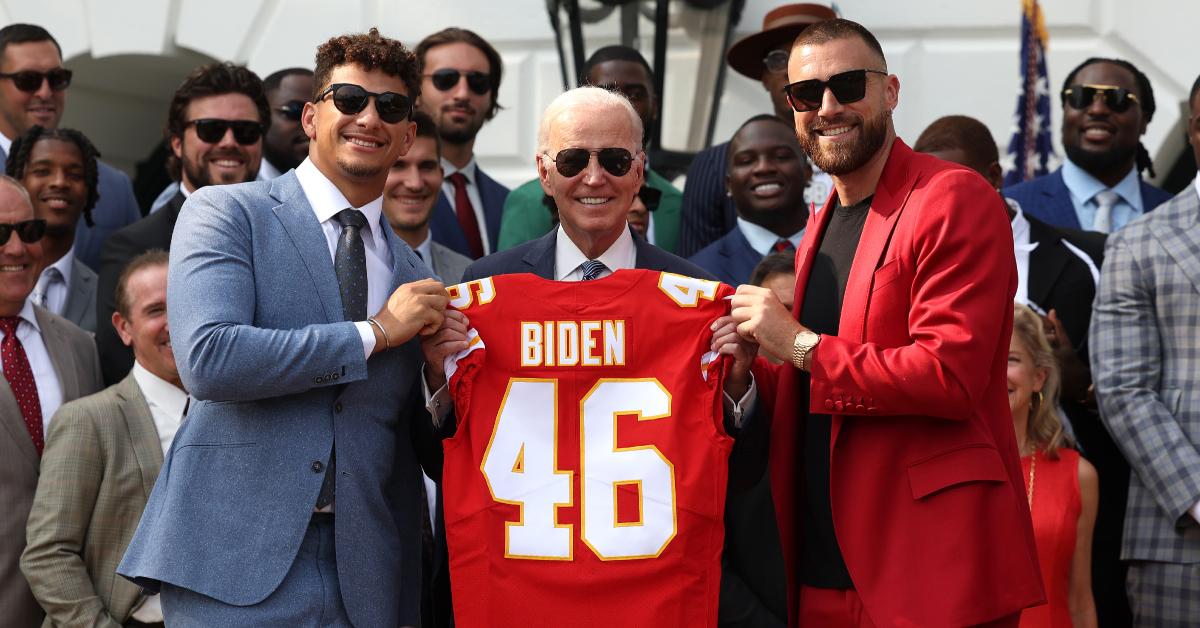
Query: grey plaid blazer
1145	339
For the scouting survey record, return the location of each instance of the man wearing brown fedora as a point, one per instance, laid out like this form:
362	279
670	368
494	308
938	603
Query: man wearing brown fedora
708	212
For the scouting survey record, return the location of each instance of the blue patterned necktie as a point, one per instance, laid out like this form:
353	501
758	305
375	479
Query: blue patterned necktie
592	269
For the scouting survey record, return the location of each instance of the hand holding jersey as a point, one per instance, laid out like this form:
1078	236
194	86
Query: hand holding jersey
417	307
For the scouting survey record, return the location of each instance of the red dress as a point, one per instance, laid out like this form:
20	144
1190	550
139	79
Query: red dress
1056	507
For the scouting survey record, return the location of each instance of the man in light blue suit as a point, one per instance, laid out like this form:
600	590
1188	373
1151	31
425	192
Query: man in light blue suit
34	91
291	493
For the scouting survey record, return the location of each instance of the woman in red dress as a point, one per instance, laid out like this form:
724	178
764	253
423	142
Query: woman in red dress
1061	486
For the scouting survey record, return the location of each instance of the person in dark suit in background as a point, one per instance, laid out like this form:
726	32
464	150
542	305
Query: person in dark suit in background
1107	104
766	176
215	125
461	81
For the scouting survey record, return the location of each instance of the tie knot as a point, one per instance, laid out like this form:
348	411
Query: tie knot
52	274
351	218
592	269
8	324
783	245
458	179
1106	198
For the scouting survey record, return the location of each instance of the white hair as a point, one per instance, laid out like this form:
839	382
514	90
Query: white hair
20	190
593	99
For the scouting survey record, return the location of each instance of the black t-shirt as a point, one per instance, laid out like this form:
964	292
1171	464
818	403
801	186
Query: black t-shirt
821	558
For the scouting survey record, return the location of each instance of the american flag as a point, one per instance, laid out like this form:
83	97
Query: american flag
1030	152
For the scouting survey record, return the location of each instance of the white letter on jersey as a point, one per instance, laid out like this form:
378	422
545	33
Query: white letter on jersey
687	291
531	344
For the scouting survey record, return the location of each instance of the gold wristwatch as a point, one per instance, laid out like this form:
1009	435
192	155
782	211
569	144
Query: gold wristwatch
802	349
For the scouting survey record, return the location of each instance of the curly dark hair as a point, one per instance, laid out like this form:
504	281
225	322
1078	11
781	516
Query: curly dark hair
1145	100
22	147
214	79
369	51
454	35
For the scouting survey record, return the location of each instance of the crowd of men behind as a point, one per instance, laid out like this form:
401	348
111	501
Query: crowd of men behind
91	395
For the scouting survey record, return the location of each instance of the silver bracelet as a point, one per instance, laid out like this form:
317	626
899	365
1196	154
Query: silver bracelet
387	344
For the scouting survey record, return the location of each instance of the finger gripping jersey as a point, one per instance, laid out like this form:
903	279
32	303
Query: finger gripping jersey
585	484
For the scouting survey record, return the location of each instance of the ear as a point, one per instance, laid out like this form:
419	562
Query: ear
308	120
177	144
1039	379
995	175
410	136
891	92
543	167
122	326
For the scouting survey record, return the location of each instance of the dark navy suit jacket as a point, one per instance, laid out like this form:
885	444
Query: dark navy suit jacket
444	224
730	258
1048	199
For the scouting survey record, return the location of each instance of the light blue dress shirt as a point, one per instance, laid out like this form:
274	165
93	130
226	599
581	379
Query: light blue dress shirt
1084	187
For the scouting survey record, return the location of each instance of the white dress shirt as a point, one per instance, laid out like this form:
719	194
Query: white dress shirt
763	240
1022	247
326	201
5	144
55	291
470	171
49	388
267	170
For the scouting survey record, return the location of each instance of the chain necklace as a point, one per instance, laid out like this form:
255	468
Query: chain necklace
1032	476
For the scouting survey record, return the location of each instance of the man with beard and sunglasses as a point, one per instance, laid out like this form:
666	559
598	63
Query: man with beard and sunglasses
215	127
291	494
33	90
285	145
893	461
1107	104
461	79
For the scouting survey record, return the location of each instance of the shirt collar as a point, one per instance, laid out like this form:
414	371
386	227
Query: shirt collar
159	392
267	170
1083	186
763	240
467	170
64	265
1020	227
326	200
183	190
5	143
568	257
26	314
426	249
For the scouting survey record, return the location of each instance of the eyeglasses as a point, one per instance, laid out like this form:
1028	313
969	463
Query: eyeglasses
291	110
29	231
31	80
1117	99
847	87
351	99
446	78
776	61
212	130
572	161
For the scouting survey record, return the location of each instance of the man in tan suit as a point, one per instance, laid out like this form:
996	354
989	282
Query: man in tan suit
102	457
46	361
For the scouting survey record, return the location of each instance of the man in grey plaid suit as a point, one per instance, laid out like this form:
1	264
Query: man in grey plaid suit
1145	340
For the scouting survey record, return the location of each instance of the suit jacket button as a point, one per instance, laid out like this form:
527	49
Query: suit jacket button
318	466
828	404
337	407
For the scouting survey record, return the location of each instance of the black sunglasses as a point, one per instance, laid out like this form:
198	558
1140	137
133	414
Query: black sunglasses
351	99
291	110
1117	99
31	80
446	78
847	87
572	161
212	130
29	231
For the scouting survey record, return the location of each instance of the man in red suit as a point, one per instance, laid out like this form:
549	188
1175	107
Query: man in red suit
899	493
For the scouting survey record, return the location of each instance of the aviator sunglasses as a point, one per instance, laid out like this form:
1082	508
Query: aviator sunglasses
572	161
31	80
29	231
1117	99
211	130
446	78
351	99
847	87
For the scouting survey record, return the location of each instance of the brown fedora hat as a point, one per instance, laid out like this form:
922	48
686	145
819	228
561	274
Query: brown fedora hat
780	26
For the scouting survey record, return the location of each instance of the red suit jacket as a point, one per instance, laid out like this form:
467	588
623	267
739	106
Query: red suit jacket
926	487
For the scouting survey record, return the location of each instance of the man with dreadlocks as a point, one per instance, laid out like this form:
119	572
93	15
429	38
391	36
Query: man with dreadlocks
1107	104
58	168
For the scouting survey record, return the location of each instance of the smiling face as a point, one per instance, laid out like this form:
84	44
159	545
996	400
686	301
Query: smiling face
767	173
458	112
20	262
145	328
356	151
225	161
412	187
286	145
1024	378
841	138
1097	138
20	110
55	181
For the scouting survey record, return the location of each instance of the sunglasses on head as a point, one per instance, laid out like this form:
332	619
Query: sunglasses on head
776	61
291	110
446	78
847	87
212	130
31	80
29	231
1117	99
572	161
351	99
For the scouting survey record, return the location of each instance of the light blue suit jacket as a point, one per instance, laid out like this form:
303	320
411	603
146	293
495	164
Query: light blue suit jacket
278	376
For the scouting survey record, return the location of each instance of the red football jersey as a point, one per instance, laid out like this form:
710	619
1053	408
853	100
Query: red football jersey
585	484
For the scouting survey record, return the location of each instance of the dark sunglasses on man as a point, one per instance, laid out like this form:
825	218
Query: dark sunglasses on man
291	110
446	78
847	87
212	130
351	99
1117	99
571	161
31	80
29	231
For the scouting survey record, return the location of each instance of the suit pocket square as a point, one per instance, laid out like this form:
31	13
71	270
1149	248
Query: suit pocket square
970	463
